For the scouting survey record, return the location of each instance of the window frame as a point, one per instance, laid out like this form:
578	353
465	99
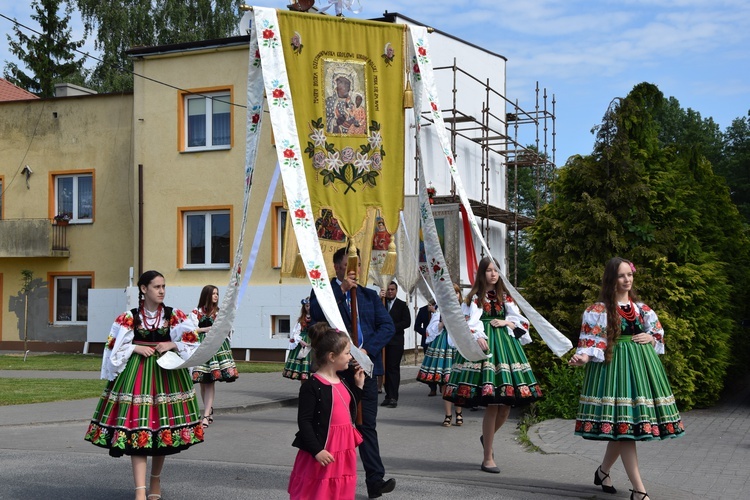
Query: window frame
276	332
53	207
279	216
52	281
182	118
182	213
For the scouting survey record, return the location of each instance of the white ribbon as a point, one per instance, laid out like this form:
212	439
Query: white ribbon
424	81
340	4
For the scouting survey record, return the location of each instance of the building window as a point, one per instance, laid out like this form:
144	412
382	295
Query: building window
70	300
207	239
279	231
74	195
280	327
207	120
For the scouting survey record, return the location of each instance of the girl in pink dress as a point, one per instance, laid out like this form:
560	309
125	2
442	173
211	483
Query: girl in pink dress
326	463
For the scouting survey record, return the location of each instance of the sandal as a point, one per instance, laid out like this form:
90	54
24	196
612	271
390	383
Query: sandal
459	419
155	496
140	488
205	422
447	421
210	416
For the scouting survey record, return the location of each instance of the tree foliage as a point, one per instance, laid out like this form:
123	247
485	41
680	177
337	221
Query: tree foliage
734	164
50	57
131	23
648	194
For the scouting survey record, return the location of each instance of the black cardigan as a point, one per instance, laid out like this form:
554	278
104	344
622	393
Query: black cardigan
314	412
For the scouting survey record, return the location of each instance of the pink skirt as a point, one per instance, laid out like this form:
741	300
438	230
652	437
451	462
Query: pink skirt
335	481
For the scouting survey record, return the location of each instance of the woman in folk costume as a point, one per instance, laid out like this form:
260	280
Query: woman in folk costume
146	410
298	362
221	367
626	396
503	379
438	359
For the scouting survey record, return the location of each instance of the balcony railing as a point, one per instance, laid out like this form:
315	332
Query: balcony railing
33	238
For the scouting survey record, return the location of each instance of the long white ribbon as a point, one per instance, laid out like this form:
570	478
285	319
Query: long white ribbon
425	80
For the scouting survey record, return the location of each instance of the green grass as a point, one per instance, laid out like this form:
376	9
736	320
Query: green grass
93	363
18	391
21	391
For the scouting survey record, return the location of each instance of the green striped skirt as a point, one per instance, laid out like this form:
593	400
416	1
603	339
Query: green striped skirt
220	368
146	410
505	378
298	369
438	361
628	398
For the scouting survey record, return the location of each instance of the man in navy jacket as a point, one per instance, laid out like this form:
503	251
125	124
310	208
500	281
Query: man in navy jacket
375	331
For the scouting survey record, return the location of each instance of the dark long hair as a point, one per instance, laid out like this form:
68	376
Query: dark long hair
302	320
481	287
206	301
608	296
325	339
144	280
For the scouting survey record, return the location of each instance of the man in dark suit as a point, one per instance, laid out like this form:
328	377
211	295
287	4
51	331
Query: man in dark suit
420	326
394	351
375	330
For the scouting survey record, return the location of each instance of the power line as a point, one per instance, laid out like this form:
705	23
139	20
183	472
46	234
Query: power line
125	70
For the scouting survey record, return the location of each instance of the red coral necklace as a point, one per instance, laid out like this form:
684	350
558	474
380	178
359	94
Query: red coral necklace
628	315
156	320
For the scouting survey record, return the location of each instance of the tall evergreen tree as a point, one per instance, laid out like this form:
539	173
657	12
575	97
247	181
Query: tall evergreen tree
49	57
734	164
121	25
649	199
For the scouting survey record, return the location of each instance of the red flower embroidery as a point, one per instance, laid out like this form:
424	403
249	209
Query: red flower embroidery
166	437
257	54
415	69
597	330
670	428
268	34
647	428
509	391
189	337
434	106
606	428
185	435
288	153
464	391
623	428
525	392
199	433
488	390
655	431
125	319
177	317
601	345
589	343
278	93
586	328
587	427
597	308
578	425
422	51
300	214
435	268
142	439
255	118
216	374
315	274
110	342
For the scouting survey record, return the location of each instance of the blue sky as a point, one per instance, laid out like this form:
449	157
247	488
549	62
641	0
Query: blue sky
585	52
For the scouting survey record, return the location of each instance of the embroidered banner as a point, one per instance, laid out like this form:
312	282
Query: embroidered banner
347	79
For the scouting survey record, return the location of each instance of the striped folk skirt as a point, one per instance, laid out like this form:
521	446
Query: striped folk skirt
146	410
505	378
220	368
628	398
298	369
438	361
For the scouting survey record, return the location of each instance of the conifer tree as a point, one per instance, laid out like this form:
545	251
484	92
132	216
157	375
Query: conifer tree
49	57
659	205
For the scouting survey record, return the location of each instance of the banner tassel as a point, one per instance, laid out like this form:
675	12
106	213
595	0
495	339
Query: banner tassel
389	264
408	96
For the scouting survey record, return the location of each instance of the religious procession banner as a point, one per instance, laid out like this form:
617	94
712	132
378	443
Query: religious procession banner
347	79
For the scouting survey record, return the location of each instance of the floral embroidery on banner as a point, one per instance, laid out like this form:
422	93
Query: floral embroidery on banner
270	39
316	277
437	270
388	54
422	51
290	157
254	118
296	43
278	94
415	69
256	59
300	214
347	166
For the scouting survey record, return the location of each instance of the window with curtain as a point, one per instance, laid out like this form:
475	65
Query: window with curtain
208	121
71	299
74	196
207	239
